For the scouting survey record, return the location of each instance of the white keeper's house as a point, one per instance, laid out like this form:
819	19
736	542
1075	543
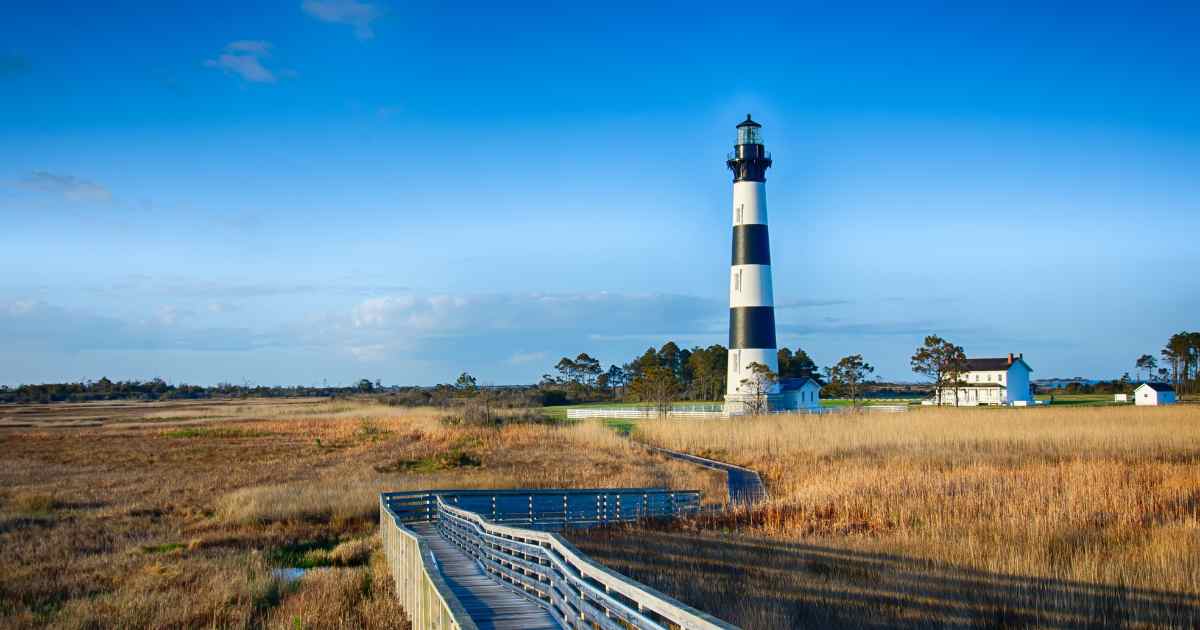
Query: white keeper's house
992	381
1154	394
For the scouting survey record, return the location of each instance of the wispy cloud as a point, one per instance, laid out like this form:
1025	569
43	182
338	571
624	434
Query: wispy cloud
245	59
488	327
811	303
351	12
523	358
68	186
39	326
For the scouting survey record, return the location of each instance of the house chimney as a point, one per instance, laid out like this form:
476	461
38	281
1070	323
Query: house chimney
1010	358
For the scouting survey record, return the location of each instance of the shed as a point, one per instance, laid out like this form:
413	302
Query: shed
1154	394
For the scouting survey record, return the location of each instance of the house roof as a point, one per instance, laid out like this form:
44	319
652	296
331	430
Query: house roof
989	364
791	384
1158	387
748	122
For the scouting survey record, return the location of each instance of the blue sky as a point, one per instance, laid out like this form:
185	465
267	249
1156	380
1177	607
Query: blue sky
320	191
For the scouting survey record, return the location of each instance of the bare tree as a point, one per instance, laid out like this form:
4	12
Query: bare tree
757	386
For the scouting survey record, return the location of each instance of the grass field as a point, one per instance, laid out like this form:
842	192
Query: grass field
179	514
1040	517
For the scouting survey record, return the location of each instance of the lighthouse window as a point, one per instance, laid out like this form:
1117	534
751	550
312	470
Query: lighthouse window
739	212
737	281
749	135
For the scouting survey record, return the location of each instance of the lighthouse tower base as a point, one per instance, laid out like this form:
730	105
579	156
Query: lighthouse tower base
745	405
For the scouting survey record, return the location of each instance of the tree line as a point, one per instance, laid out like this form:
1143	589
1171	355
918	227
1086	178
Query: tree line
668	373
158	389
697	373
1180	363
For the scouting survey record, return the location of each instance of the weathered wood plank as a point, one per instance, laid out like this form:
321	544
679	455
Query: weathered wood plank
490	605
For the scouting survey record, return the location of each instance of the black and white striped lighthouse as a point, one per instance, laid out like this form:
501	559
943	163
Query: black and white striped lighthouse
751	301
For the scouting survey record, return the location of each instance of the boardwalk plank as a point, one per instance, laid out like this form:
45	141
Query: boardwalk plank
490	605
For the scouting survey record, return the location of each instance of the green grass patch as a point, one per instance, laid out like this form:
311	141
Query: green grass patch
303	555
214	432
163	548
621	426
447	460
322	552
1081	400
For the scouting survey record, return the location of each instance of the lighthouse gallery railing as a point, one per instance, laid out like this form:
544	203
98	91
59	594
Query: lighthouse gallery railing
542	565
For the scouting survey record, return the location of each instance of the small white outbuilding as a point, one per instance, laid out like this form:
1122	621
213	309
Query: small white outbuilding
1154	394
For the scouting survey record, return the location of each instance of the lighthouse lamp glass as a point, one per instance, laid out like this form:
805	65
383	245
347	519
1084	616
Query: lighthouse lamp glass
749	135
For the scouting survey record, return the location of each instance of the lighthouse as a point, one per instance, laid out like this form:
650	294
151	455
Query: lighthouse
751	300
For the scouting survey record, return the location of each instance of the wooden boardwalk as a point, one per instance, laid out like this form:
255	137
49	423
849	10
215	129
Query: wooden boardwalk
491	605
745	486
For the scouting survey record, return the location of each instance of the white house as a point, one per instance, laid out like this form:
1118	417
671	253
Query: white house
1154	394
988	381
800	393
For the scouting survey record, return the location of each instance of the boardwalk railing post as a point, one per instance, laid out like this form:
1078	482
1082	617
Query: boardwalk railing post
574	590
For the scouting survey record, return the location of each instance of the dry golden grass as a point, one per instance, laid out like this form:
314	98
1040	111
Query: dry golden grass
175	515
1048	517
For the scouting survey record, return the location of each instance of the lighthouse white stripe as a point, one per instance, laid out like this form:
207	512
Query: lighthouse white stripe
749	202
750	285
739	366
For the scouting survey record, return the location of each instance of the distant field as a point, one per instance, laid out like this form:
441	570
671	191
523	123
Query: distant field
1078	399
1062	516
152	515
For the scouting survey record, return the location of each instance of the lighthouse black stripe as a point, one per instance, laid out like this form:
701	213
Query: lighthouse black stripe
752	327
751	245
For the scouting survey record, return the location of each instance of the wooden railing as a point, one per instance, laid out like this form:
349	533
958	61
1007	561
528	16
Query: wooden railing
542	565
553	509
422	591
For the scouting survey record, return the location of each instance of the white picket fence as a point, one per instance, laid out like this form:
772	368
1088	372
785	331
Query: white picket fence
711	411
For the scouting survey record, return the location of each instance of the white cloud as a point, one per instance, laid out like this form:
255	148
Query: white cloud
523	358
350	12
373	352
68	186
244	58
36	325
254	46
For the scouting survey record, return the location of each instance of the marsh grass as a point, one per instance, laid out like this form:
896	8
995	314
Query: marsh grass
1043	505
137	524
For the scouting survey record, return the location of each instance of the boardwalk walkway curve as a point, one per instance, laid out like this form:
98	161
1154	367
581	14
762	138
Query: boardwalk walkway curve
745	486
472	559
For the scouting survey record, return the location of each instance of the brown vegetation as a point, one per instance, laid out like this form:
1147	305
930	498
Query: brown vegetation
980	517
179	514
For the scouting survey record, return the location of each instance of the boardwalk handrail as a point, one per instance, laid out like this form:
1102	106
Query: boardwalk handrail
578	591
533	563
422	590
548	509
